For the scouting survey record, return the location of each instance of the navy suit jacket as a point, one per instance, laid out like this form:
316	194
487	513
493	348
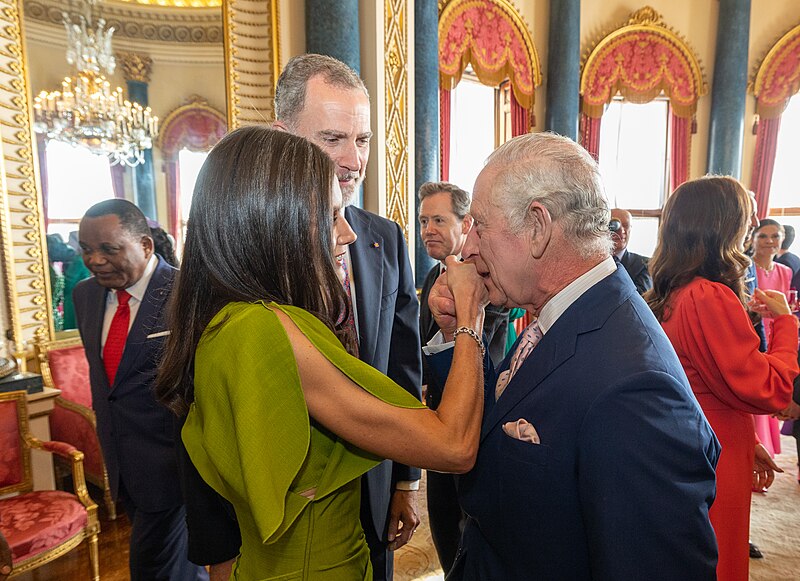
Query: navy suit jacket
135	432
636	266
388	323
621	484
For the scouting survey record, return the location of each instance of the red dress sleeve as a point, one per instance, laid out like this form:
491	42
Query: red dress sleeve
722	345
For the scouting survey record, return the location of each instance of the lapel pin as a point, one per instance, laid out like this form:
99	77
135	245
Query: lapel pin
376	245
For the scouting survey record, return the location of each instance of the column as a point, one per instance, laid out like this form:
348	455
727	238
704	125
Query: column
332	29
729	88
137	70
426	114
563	68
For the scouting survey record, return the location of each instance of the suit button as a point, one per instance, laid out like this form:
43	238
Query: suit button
112	398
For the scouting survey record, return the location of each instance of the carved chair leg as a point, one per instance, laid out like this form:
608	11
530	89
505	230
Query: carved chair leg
94	557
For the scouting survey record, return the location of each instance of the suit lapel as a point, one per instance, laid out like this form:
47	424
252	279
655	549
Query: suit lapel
588	313
366	256
147	318
96	298
427	323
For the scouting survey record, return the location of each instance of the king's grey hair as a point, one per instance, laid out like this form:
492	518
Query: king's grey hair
290	92
562	176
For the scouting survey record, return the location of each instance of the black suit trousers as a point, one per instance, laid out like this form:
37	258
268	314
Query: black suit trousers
445	516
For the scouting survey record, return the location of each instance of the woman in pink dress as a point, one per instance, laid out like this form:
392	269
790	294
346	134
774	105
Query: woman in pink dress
767	240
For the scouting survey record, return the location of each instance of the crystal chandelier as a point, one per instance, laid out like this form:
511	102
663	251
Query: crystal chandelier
86	111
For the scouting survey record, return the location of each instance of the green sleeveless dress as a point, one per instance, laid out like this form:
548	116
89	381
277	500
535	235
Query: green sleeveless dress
294	485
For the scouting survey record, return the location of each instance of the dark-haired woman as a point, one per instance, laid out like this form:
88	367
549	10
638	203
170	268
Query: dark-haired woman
282	420
698	295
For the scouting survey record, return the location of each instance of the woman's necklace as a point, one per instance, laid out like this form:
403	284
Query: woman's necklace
768	270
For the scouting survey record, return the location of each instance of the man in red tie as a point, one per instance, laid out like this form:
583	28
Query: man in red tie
120	314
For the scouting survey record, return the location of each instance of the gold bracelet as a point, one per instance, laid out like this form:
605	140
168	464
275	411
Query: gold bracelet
474	335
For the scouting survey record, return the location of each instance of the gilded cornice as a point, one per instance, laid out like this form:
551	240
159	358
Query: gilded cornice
777	77
175	3
139	22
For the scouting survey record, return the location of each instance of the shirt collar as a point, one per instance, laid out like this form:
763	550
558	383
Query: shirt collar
621	253
138	289
556	306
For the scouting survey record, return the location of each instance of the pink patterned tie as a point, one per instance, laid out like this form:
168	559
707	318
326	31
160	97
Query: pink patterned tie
530	337
350	323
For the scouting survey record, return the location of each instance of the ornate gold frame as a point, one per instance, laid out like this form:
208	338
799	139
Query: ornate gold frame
251	32
24	251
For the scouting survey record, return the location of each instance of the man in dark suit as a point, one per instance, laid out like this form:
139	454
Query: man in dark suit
635	264
120	315
595	460
788	258
444	223
323	100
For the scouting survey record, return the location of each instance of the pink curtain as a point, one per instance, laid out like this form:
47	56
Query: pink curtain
118	180
590	135
764	162
681	142
520	117
444	134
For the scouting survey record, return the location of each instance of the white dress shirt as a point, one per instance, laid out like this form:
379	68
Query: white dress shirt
136	291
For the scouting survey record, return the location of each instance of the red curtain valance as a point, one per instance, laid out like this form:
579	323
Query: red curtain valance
778	76
492	37
195	126
640	60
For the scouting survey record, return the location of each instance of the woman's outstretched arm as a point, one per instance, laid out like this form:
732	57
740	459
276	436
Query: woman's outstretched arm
445	440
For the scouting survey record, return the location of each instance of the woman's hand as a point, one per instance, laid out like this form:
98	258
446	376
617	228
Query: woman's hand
769	303
764	469
468	291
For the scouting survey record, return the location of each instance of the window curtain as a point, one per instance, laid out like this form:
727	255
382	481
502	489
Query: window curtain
680	149
41	154
520	117
118	180
444	134
590	135
764	162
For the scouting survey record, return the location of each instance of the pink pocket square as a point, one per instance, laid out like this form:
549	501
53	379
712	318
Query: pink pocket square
522	430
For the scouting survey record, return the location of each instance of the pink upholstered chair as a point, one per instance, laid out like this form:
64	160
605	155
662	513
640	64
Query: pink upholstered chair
41	525
64	366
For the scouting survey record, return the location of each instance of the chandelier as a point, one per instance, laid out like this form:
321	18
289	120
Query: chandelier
86	112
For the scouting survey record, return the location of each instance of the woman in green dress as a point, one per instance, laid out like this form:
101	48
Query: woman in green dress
282	419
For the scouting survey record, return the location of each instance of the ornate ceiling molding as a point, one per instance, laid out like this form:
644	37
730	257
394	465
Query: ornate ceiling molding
641	59
140	22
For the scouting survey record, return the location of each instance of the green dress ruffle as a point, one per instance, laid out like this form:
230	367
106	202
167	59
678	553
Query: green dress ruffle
250	436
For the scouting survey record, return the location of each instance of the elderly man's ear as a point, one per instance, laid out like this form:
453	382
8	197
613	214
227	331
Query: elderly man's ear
540	228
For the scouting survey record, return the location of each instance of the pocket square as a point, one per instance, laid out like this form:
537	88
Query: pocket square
159	334
522	430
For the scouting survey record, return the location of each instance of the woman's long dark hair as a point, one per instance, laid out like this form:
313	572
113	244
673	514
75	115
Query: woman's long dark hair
259	229
702	229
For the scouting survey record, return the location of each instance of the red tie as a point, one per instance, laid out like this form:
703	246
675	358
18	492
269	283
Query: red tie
117	335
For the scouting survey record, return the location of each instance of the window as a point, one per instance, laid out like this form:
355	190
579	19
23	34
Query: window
189	164
634	158
480	122
76	180
784	196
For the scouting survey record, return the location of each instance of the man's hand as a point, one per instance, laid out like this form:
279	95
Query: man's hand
221	571
443	306
403	518
790	413
764	469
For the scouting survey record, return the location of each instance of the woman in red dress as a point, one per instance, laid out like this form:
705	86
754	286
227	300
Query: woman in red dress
698	295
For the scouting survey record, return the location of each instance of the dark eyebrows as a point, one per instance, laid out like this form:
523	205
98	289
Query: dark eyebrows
331	133
365	135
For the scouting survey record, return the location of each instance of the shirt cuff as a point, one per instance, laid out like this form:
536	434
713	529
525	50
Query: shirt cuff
437	344
407	485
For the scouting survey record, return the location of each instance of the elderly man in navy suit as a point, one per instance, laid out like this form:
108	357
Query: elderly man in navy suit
120	317
595	460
